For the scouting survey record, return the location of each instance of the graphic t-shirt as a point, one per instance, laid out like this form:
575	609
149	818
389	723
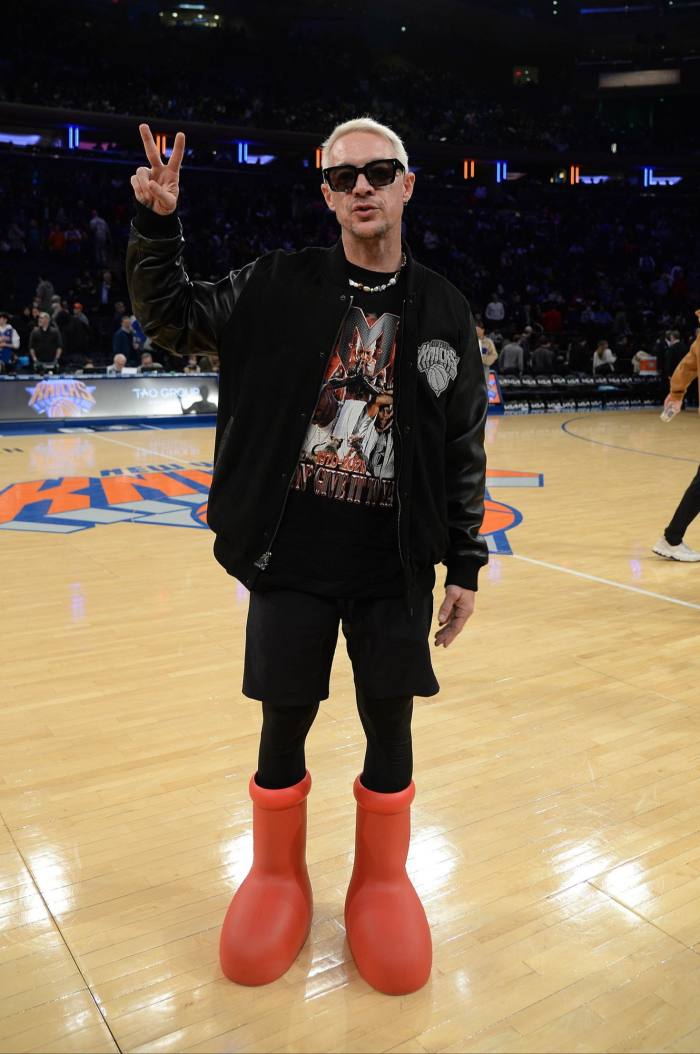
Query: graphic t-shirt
339	531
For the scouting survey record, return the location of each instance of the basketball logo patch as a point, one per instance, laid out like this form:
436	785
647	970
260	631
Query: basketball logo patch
438	361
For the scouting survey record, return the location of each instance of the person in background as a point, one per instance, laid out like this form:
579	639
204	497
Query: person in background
671	545
117	365
101	237
192	366
489	355
603	358
45	343
495	309
76	334
122	341
148	363
44	292
542	359
675	351
9	343
512	358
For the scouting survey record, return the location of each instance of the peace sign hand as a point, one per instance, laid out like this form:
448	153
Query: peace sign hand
158	187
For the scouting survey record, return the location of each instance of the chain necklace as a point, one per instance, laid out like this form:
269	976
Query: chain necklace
385	285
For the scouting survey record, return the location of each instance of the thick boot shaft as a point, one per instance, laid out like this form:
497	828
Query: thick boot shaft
269	918
386	925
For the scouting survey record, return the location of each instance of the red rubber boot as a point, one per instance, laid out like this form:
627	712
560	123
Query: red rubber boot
387	929
269	918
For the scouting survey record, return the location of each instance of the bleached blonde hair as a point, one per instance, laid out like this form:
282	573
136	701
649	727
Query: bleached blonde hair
363	124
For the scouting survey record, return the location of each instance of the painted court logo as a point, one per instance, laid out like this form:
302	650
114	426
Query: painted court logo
176	496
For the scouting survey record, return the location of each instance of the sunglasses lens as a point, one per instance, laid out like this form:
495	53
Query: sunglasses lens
381	173
342	178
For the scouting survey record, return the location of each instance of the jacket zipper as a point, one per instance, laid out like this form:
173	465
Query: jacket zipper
263	560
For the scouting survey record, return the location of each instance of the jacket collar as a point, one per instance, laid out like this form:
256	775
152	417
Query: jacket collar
415	272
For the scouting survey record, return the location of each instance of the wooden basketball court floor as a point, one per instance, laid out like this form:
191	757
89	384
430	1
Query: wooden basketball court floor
556	826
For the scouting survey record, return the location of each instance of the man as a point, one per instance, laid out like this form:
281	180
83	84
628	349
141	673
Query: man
148	363
117	365
511	359
489	355
45	344
319	539
9	343
542	360
123	341
671	545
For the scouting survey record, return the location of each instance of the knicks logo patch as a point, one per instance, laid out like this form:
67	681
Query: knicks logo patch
438	360
176	496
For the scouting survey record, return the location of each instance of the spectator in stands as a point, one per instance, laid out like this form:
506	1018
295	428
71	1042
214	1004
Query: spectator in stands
79	313
119	312
76	334
101	237
105	291
45	344
511	359
542	359
192	366
552	320
148	363
117	365
44	292
495	309
675	351
489	355
122	341
603	359
9	344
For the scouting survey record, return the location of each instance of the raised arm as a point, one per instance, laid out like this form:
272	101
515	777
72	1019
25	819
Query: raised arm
178	314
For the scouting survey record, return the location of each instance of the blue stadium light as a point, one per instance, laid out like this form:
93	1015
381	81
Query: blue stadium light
73	136
593	179
242	152
650	180
19	140
627	9
501	171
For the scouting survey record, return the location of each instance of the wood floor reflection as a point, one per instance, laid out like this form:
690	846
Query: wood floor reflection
556	825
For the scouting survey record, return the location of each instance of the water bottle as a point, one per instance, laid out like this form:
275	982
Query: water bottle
669	412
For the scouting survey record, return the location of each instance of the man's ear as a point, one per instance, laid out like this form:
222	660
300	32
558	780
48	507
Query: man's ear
327	196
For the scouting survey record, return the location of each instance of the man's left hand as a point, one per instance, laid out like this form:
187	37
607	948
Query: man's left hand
456	608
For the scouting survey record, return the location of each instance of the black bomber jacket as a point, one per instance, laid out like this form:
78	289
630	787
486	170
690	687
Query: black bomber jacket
273	324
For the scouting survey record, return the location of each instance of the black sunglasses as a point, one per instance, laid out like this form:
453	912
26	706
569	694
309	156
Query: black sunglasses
377	173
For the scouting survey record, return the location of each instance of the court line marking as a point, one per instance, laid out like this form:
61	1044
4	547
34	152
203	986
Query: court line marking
615	446
147	450
606	581
517	556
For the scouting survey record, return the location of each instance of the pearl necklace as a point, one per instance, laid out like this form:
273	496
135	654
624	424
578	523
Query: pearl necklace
379	288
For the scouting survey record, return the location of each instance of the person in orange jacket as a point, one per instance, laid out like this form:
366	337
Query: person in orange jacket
671	545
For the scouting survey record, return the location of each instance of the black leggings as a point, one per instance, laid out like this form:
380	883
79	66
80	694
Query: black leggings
686	512
388	765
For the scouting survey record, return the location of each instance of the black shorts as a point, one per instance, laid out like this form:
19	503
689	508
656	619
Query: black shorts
291	639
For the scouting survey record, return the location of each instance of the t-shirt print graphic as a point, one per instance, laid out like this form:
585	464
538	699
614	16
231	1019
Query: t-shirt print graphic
348	452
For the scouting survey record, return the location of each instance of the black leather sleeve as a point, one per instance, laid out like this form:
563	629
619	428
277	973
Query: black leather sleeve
176	313
465	464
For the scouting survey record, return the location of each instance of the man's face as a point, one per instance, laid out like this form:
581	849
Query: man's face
365	212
